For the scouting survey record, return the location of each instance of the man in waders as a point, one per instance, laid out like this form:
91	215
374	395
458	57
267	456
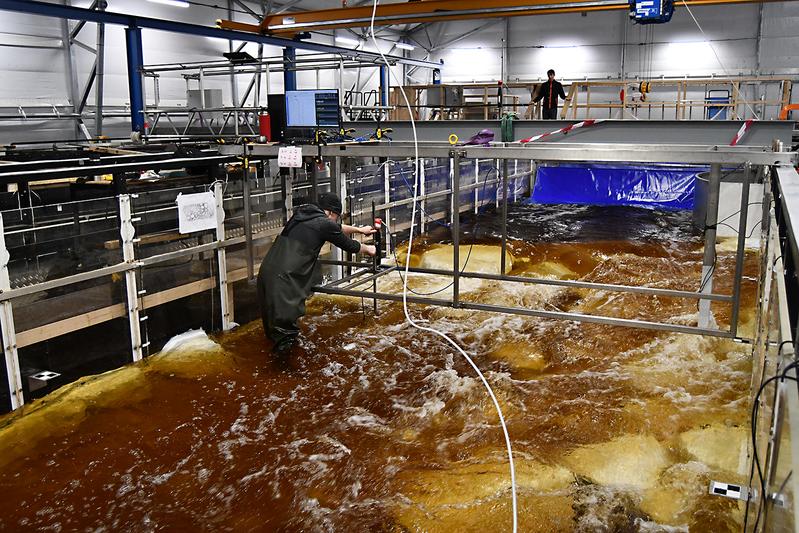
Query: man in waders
290	268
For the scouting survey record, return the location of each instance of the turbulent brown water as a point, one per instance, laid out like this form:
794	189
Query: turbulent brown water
371	425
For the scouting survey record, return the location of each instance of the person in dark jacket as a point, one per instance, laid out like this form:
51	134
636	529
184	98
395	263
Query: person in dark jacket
290	268
549	92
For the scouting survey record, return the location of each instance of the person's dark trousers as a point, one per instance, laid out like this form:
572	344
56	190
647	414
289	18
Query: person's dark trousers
550	114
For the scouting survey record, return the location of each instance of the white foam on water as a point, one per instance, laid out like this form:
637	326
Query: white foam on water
355	490
450	382
366	419
194	339
430	408
645	526
319	516
332	369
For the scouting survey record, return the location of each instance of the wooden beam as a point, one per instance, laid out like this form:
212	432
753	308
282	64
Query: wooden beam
68	325
106	314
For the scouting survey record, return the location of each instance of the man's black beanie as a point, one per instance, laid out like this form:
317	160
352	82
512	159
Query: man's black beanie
331	202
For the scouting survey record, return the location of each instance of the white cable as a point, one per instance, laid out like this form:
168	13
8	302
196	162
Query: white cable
407	265
713	48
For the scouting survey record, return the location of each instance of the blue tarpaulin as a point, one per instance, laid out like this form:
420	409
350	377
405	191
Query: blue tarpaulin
657	186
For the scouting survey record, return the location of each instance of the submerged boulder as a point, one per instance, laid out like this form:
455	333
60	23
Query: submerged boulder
482	258
630	460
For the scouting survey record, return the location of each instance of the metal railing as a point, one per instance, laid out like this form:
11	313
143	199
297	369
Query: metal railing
714	156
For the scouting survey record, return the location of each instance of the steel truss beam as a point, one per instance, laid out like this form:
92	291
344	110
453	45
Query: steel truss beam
107	17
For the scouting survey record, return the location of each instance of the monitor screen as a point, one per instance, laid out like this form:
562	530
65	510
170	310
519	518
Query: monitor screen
312	109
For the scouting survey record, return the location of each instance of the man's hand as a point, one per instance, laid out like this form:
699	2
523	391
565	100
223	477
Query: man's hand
368	249
352	230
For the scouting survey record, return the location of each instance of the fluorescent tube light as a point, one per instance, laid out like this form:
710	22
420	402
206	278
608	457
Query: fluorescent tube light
173	3
29	41
404	46
347	40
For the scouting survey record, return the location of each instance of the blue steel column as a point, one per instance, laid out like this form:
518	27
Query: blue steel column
289	74
135	62
384	83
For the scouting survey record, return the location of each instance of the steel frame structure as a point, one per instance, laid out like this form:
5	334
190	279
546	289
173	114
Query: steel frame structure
241	114
133	36
129	266
715	156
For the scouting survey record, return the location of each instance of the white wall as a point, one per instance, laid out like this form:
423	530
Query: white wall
591	46
606	45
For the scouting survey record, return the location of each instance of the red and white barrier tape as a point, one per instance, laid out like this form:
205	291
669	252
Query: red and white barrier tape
741	132
567	129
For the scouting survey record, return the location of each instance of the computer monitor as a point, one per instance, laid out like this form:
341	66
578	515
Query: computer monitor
313	109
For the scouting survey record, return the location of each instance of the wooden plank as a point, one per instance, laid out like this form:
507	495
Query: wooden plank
587	102
68	325
112	150
105	314
176	293
565	109
786	93
151	238
574	102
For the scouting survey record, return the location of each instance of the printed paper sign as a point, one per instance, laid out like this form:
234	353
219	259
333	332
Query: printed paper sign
289	156
196	212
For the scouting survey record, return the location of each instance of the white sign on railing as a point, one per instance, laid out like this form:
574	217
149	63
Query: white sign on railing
196	212
289	157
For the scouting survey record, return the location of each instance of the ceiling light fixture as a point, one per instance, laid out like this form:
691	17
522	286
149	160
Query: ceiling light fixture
405	46
173	3
347	40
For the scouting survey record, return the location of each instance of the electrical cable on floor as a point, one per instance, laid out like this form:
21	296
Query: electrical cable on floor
713	48
407	265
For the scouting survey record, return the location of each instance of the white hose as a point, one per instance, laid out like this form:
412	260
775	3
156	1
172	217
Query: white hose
407	264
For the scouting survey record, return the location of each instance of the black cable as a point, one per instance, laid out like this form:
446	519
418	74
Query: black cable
759	222
468	255
749	236
732	215
755	410
451	283
753	424
710	272
709	275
